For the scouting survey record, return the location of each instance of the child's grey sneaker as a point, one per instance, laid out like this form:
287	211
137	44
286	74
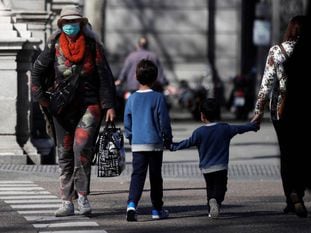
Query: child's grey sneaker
131	215
67	209
84	205
214	208
159	214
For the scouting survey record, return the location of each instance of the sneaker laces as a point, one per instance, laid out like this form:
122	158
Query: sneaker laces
67	204
83	202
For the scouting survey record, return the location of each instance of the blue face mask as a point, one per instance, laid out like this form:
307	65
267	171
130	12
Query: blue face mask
71	29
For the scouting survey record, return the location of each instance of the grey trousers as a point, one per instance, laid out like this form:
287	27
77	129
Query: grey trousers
75	151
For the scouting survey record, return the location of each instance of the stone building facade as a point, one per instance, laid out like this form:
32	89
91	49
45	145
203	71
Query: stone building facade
179	31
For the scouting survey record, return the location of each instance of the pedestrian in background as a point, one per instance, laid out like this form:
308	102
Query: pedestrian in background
148	129
127	75
213	141
274	82
71	52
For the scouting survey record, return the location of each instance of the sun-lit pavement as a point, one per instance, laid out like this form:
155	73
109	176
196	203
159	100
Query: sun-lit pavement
253	203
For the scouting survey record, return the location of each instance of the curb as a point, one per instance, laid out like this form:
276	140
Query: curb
169	170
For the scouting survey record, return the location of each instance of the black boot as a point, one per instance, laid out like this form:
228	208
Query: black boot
299	206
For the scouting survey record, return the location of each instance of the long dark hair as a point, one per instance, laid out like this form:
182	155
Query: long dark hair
294	28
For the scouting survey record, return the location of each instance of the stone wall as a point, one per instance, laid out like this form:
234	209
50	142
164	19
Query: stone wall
177	30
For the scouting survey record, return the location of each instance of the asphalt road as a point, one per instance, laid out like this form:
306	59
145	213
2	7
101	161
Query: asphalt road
254	200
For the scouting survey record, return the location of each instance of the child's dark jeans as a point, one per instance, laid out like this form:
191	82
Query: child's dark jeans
216	185
141	161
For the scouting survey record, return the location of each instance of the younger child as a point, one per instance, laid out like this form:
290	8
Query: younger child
148	128
212	141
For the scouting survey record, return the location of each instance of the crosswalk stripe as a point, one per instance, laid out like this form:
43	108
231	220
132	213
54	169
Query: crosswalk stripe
38	206
18	185
81	231
33	201
15	182
53	218
66	224
20	188
22	212
28	197
35	206
23	192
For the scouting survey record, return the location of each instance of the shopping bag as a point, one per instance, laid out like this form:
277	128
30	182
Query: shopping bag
110	153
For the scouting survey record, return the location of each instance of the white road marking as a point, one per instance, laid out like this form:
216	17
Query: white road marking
18	185
66	224
38	206
35	206
28	197
20	188
33	201
53	218
81	231
15	182
23	192
23	212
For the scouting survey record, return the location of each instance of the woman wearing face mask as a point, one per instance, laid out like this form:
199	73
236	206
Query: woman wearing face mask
75	52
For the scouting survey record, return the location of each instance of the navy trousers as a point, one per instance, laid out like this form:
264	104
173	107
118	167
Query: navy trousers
141	162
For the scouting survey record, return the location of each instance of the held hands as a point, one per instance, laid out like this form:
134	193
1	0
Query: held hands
257	120
168	143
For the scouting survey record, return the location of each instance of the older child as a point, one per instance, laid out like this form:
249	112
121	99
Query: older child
148	129
212	141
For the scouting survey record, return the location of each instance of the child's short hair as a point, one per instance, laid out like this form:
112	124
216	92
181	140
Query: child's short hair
146	72
211	109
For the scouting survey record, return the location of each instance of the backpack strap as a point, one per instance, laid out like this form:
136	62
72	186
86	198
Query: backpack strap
283	51
280	111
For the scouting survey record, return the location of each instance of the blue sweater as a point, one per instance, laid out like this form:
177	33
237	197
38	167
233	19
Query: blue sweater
146	121
212	141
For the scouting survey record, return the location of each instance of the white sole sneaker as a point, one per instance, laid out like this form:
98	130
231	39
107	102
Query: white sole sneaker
67	209
84	206
163	214
214	208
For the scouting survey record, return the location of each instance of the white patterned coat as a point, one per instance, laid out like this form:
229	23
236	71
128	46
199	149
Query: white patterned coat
273	84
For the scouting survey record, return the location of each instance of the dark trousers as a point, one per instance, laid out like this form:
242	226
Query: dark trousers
141	162
291	172
216	185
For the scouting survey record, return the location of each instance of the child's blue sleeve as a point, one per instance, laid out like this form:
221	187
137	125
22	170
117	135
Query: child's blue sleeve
186	143
240	129
128	121
165	122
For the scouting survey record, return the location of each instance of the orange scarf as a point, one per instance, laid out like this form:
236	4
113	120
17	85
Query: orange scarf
72	50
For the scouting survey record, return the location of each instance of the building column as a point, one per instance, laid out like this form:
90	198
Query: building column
11	45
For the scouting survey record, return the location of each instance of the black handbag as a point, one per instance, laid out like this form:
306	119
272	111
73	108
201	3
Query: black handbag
63	93
110	151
